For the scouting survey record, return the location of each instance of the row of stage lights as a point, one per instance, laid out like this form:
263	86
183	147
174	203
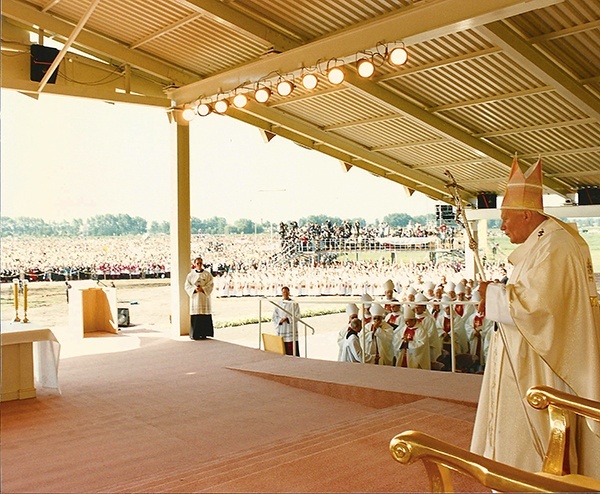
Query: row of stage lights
366	62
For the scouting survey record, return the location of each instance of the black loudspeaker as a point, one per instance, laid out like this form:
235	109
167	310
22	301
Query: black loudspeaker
588	196
41	59
486	200
444	212
123	316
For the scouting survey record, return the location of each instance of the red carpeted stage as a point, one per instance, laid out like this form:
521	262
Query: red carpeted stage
210	416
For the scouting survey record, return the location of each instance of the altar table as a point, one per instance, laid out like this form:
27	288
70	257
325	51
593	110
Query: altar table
30	357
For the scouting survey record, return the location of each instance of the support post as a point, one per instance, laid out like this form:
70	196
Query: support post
180	224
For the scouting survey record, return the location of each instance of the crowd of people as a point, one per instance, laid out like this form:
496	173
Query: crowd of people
136	256
312	236
246	264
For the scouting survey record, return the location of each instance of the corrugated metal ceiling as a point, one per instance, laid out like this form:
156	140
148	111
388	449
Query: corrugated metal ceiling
519	76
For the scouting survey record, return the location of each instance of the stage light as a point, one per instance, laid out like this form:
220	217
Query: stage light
188	114
398	55
284	87
336	75
365	67
221	106
240	100
309	81
262	94
204	109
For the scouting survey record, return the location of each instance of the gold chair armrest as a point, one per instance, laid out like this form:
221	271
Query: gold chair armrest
559	404
440	457
541	397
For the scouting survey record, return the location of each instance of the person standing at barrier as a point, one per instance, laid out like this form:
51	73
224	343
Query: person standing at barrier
411	343
378	339
548	334
285	320
394	318
478	330
351	349
199	285
352	312
428	322
388	295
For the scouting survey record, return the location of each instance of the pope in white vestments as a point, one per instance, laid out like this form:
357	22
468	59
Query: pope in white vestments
549	334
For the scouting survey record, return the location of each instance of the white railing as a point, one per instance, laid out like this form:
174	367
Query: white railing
294	319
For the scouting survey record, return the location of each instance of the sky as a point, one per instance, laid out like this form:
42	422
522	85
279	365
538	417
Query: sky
64	158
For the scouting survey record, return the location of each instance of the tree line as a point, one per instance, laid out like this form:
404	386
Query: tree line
109	225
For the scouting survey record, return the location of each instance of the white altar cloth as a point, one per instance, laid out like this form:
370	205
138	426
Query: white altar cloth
46	350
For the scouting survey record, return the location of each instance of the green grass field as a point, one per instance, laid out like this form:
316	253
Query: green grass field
591	236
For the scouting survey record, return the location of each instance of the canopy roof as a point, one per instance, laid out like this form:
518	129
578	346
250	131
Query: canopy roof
484	78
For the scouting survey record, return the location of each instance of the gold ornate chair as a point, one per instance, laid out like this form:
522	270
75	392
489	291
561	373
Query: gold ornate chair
440	458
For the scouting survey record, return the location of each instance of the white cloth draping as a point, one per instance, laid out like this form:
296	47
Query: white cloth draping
46	351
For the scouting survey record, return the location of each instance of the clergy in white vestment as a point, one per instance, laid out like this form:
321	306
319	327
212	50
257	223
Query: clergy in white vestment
463	310
285	319
549	334
411	343
352	313
351	349
394	317
199	285
479	330
428	322
444	325
378	336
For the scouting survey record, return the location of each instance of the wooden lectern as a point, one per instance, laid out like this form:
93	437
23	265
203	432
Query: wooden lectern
93	310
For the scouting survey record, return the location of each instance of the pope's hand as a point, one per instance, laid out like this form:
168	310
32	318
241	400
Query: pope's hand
482	291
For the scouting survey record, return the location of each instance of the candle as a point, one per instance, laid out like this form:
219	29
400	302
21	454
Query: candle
16	292
25	283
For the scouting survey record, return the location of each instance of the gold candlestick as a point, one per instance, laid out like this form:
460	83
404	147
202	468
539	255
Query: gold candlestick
25	289
16	297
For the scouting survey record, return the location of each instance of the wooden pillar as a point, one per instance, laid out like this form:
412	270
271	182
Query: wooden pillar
180	224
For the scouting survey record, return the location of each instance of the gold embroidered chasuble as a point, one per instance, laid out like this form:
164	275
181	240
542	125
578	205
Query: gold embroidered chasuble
549	333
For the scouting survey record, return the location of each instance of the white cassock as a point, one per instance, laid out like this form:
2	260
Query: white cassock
287	330
478	329
417	349
379	345
199	301
549	334
351	349
467	310
435	343
460	336
341	338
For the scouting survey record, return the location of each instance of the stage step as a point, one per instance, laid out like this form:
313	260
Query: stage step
353	454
